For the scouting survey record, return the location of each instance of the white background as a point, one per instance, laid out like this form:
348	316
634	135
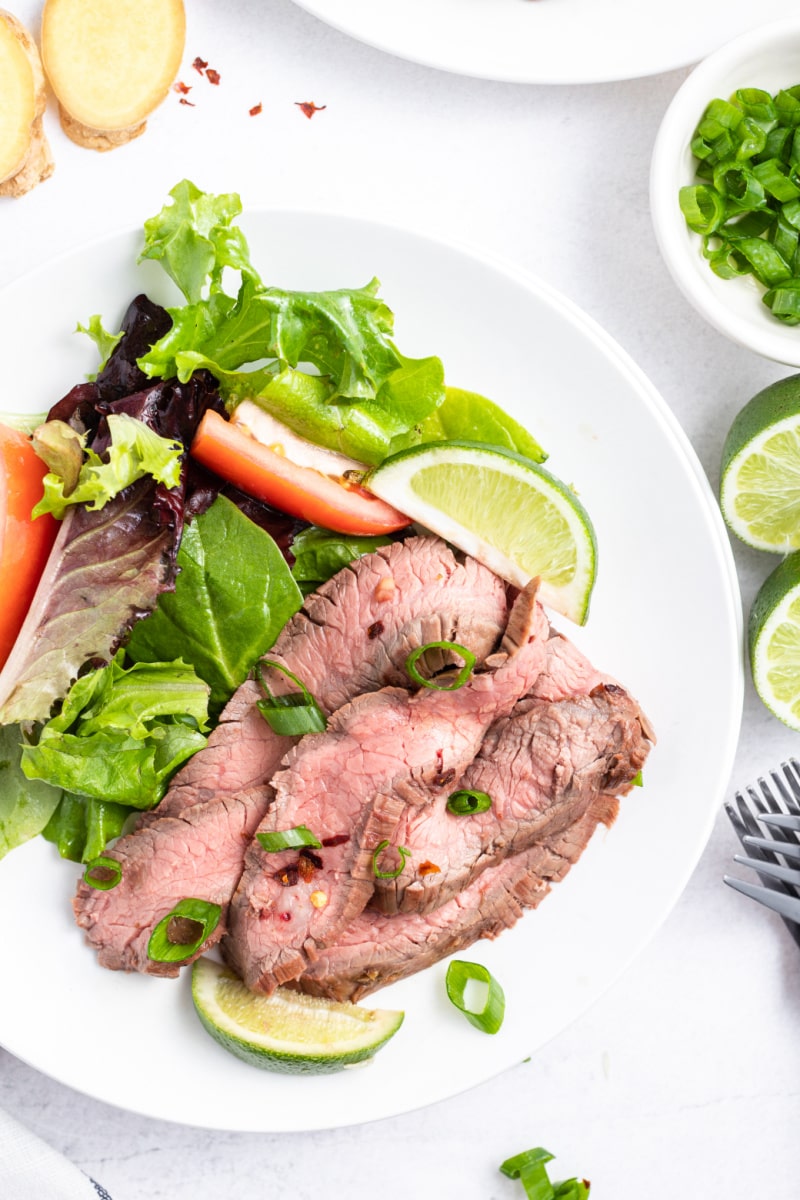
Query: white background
683	1080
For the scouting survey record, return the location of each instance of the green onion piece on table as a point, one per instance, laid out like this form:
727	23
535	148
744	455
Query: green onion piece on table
181	932
460	679
376	871
288	839
103	873
292	715
489	1017
530	1168
466	801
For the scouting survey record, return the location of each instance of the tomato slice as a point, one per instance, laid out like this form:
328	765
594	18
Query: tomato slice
299	491
24	543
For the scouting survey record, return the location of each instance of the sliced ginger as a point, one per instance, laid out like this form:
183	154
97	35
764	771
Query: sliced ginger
25	158
110	63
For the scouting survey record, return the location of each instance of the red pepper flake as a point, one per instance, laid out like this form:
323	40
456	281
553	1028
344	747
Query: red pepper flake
190	103
255	110
428	868
212	76
375	630
309	108
338	839
305	869
181	87
199	65
284	916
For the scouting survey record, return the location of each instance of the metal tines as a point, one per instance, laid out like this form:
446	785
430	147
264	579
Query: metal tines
766	817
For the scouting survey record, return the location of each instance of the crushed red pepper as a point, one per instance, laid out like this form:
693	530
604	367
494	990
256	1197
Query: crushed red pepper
199	65
309	108
255	110
428	868
181	87
190	103
375	630
212	76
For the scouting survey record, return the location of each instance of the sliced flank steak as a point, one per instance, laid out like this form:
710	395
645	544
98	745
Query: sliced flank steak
349	786
351	636
376	950
243	751
197	856
540	768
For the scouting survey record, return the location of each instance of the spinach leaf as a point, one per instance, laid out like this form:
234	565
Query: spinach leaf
319	554
25	805
232	597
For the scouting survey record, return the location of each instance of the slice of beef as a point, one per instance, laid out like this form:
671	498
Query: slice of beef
375	949
541	766
350	786
194	856
352	636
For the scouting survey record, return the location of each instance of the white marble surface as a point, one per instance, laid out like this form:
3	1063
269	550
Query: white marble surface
683	1079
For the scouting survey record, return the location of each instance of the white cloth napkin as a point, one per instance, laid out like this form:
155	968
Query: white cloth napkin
32	1170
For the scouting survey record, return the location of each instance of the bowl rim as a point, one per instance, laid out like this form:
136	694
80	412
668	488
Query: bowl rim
679	247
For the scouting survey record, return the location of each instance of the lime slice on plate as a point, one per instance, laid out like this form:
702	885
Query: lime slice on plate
287	1031
760	484
504	510
775	641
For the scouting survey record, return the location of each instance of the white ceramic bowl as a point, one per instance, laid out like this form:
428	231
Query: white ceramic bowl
767	57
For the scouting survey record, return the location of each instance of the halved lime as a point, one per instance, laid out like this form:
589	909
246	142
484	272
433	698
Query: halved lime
775	641
287	1031
504	510
760	483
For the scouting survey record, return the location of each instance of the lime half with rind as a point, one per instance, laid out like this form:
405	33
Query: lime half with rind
760	477
774	634
502	509
287	1031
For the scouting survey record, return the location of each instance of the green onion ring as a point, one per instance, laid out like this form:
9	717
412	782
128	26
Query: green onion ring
288	839
105	864
459	974
292	715
455	648
162	948
401	850
465	801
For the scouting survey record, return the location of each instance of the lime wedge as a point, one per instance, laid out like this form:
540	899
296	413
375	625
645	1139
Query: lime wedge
287	1031
760	478
775	641
504	510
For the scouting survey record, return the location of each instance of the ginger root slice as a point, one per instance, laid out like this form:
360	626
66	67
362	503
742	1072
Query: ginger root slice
110	64
25	157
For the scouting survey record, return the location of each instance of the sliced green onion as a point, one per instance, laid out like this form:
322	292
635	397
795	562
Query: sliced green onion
530	1168
455	648
638	779
288	839
757	104
459	974
784	301
703	209
773	176
401	850
292	715
181	932
103	873
466	801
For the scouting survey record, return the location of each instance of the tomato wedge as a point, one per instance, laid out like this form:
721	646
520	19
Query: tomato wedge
24	543
299	491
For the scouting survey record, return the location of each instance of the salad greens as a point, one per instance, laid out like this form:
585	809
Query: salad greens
232	597
324	363
122	732
135	451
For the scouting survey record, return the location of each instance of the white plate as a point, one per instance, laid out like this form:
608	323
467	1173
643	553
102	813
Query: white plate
546	41
666	620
